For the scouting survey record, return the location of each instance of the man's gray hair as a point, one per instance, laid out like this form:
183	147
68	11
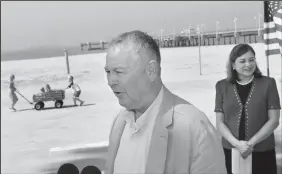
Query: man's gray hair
140	39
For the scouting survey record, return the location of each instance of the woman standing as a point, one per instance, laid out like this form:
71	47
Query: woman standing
247	109
12	94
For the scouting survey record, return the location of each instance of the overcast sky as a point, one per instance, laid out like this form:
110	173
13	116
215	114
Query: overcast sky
33	24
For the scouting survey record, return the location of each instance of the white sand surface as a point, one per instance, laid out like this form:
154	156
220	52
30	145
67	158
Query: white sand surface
27	135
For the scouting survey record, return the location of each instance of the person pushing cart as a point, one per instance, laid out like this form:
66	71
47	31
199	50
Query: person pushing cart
77	91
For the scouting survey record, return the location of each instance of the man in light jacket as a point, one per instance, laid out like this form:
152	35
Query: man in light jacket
157	132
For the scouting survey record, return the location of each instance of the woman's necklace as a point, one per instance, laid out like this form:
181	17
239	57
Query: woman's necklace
245	82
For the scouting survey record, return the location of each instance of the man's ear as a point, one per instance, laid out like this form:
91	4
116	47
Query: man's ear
152	70
152	67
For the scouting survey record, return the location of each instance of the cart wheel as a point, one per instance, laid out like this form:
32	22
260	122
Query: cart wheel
39	105
42	105
59	104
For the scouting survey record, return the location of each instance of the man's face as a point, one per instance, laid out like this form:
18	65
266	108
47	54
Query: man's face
126	76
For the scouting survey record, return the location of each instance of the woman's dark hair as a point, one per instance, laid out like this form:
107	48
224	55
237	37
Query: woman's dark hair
236	52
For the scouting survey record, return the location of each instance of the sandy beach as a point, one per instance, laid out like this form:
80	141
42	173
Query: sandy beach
27	135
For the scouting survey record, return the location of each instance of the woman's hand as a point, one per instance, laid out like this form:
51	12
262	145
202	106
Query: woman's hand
248	152
244	148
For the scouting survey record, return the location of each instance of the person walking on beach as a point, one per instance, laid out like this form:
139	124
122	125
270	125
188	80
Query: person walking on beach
12	94
76	91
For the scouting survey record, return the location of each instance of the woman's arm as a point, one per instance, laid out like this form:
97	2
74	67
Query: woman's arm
220	125
224	130
268	128
273	105
242	146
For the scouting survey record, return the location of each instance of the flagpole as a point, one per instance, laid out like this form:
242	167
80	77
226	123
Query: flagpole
280	46
267	63
199	44
267	56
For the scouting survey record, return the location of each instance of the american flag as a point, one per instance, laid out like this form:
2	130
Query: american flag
273	27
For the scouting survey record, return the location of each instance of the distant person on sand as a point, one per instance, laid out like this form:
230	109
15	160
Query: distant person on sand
48	88
76	91
247	109
156	131
12	94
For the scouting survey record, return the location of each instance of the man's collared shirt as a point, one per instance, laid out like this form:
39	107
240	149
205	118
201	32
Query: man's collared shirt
135	141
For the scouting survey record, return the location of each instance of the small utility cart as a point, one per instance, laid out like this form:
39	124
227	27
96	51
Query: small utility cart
54	95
